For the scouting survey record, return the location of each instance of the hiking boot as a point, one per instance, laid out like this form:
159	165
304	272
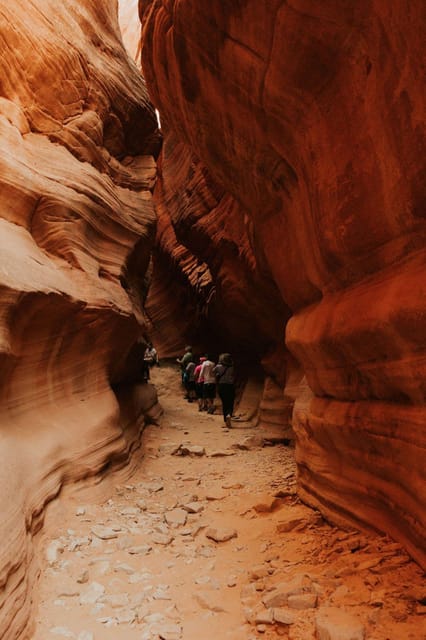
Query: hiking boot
228	422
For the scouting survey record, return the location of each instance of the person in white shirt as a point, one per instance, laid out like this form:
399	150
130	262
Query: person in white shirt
209	384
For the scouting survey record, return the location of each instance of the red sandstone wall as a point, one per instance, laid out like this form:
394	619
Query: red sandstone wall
77	134
310	117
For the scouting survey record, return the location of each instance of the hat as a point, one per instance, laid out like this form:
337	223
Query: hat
203	359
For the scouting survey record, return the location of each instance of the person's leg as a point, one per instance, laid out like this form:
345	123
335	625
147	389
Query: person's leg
222	396
228	403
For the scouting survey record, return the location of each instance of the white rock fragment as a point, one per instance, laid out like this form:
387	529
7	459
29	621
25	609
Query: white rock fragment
176	517
92	593
53	550
62	631
104	533
221	535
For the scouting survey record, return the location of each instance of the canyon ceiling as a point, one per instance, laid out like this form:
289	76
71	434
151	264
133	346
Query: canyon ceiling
280	215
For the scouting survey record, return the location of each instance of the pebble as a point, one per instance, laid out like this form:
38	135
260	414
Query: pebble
162	538
176	517
283	616
302	601
124	568
193	507
53	550
104	533
191	450
278	597
116	600
83	578
140	550
62	631
267	505
221	535
92	594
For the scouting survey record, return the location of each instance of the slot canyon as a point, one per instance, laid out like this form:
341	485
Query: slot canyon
244	177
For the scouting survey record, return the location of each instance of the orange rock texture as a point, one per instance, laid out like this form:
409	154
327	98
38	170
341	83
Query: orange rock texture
77	138
292	183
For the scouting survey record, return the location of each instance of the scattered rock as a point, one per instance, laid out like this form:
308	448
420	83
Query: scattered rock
251	442
104	533
221	453
302	601
124	568
116	600
169	449
140	550
170	632
80	511
193	507
176	517
216	494
283	616
267	505
221	535
162	538
265	617
258	572
52	552
299	517
62	631
83	578
335	624
85	635
278	597
130	511
92	594
191	450
124	542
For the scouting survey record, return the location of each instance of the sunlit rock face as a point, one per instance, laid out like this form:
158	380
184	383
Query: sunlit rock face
310	117
130	28
77	138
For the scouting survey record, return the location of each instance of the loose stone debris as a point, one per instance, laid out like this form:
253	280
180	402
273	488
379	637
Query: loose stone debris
198	544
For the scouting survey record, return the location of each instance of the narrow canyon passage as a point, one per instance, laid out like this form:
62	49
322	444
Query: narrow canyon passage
206	538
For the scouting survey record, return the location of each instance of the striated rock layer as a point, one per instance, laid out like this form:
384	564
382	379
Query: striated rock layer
77	138
308	119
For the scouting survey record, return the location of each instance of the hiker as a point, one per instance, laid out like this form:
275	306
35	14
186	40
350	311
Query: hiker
150	355
184	360
189	381
209	384
199	384
225	378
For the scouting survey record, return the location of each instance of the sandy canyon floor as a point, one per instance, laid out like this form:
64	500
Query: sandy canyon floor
206	538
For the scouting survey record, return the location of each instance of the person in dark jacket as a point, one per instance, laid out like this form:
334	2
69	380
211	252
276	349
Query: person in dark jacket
225	378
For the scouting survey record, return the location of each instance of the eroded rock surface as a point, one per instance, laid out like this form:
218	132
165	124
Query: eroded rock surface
77	138
294	147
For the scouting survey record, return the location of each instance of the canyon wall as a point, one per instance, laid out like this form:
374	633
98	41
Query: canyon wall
294	146
77	140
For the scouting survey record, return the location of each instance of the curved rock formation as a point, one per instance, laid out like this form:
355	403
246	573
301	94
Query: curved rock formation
77	138
308	120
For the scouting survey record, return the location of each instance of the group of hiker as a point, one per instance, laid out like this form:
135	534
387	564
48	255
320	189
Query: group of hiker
201	378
